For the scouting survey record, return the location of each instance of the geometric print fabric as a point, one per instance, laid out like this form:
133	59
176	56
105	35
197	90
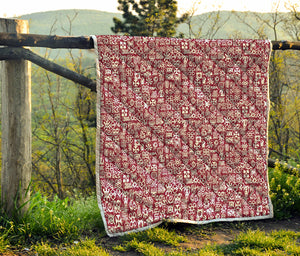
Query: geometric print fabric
181	131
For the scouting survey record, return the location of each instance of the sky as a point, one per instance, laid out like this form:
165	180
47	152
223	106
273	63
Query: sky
15	8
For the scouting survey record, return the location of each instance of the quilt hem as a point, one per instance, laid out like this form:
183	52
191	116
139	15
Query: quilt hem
191	222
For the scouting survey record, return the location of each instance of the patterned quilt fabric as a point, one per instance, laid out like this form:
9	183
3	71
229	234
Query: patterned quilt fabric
182	131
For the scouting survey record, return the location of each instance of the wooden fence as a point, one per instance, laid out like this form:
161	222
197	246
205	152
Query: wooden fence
16	102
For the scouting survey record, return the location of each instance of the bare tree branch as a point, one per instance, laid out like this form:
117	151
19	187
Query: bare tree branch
295	12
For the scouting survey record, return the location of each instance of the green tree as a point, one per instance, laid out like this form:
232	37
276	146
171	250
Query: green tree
148	18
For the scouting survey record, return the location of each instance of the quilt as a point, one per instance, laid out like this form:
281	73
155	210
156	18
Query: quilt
181	131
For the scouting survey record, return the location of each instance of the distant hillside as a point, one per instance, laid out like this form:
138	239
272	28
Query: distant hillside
86	22
89	22
234	25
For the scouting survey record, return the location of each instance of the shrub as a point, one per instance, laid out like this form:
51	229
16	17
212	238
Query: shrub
284	192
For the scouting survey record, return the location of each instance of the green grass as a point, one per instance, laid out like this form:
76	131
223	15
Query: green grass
84	248
259	243
3	243
251	242
162	242
57	220
143	247
142	242
158	235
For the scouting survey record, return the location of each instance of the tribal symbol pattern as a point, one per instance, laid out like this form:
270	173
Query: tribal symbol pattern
182	131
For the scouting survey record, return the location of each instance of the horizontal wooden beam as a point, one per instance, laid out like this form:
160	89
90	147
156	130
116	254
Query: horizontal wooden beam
9	53
86	42
285	45
53	41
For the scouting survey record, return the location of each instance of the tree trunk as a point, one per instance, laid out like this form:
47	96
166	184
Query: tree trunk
16	128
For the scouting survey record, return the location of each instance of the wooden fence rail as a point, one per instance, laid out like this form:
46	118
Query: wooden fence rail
86	42
49	41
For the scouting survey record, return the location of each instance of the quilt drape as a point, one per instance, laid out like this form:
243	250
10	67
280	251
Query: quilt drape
181	131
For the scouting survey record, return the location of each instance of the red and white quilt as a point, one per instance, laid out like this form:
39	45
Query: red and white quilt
181	131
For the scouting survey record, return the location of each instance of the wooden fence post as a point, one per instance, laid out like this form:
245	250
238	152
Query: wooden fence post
16	127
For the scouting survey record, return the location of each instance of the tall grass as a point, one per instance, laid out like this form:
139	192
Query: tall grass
59	219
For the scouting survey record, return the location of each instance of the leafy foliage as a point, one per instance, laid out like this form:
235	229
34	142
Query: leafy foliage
148	18
284	192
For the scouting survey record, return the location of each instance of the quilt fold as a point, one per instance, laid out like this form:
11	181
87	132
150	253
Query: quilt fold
181	131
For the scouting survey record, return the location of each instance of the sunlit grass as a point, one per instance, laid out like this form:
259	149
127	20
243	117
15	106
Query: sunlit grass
159	235
59	219
251	242
3	244
143	241
84	248
256	242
